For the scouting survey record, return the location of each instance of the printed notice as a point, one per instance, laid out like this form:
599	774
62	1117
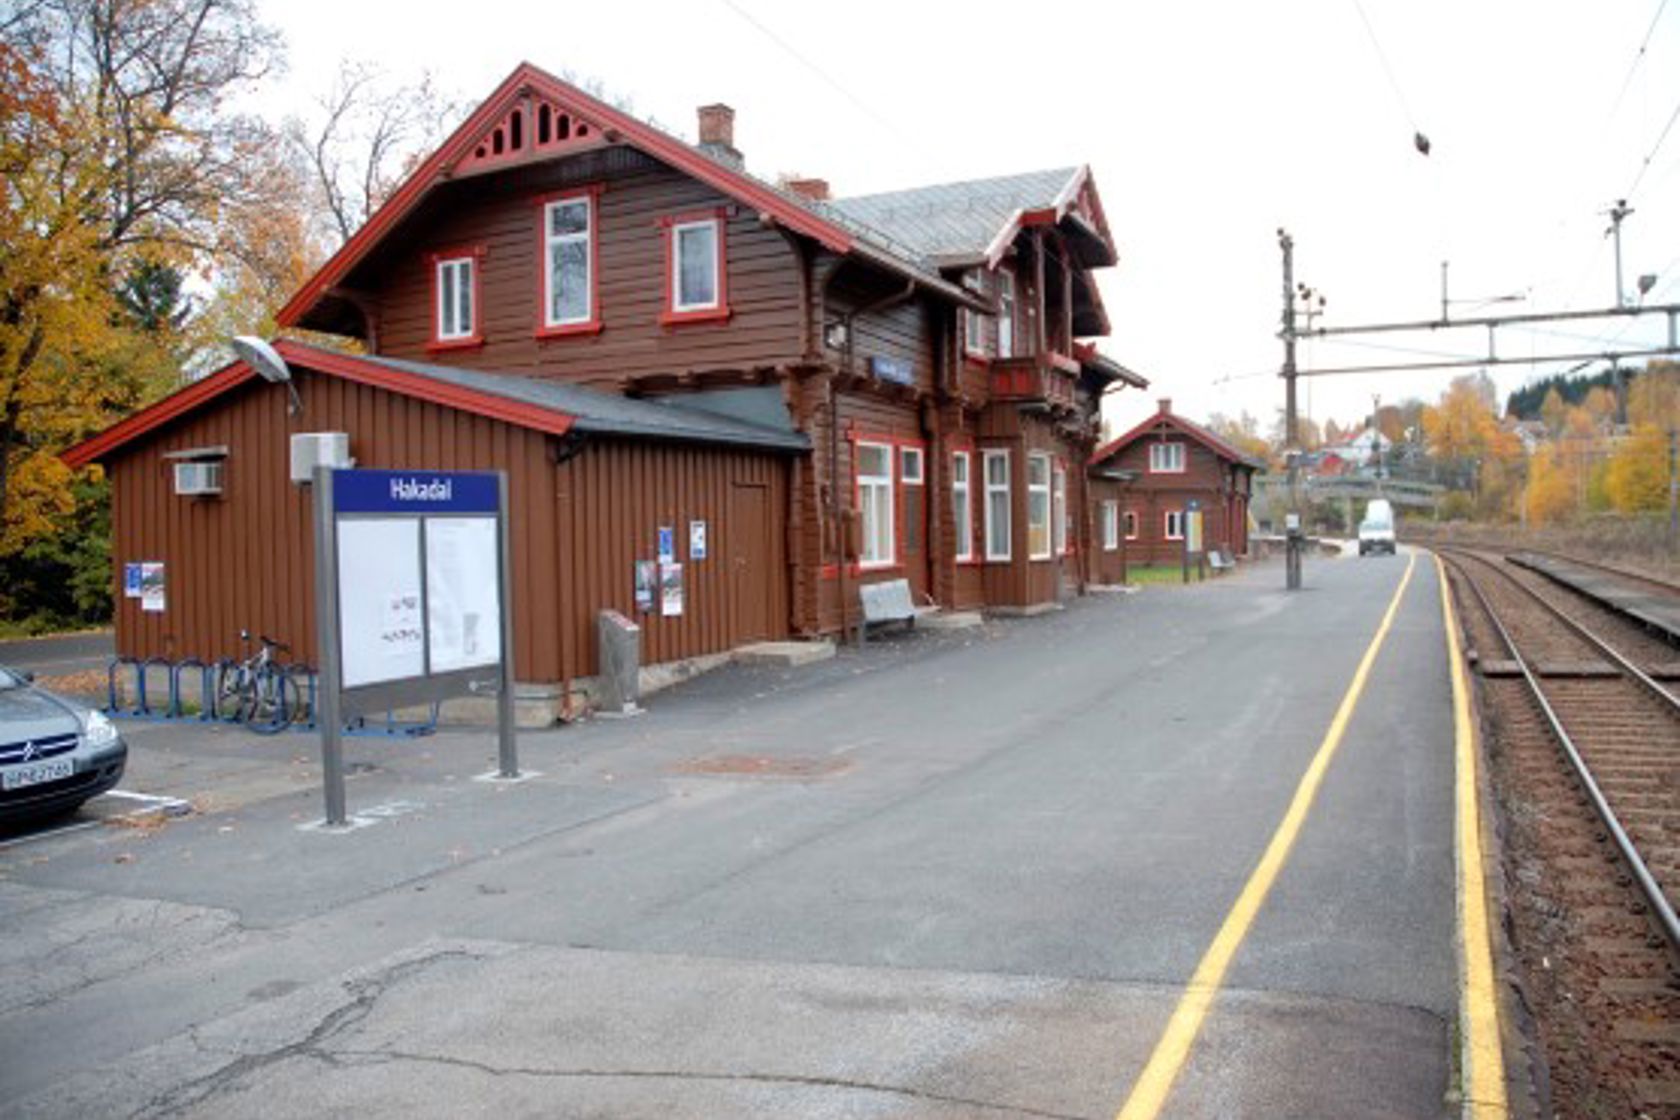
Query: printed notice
647	574
380	629
670	590
696	540
151	588
667	544
131	580
463	619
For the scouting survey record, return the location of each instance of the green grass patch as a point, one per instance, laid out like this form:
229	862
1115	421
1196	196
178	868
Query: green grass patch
1159	574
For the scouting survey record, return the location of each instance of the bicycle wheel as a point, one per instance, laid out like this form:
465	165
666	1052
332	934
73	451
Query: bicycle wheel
272	702
228	698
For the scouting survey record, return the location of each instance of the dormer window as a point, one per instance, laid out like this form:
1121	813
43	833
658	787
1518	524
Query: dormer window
455	299
569	253
696	275
1166	458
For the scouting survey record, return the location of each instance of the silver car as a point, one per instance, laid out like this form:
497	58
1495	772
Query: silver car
54	753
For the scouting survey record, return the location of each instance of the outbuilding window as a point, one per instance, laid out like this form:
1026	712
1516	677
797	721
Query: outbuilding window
1166	458
1131	525
568	265
1174	529
455	285
1038	506
998	527
962	511
875	503
1111	526
696	274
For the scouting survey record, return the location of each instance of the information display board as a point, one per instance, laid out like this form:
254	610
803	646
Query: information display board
412	599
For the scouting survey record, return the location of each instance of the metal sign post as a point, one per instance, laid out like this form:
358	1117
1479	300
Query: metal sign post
412	573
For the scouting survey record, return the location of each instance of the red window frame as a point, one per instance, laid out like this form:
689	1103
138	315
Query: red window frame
719	218
434	261
591	325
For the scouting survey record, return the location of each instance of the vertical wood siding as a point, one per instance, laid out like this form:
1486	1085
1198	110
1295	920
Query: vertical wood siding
245	560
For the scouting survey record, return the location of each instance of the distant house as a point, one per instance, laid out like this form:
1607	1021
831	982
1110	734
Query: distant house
1173	462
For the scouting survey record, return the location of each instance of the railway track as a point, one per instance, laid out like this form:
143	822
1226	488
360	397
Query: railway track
1650	582
1585	745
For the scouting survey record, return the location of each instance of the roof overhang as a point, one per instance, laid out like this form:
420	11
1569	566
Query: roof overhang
1089	235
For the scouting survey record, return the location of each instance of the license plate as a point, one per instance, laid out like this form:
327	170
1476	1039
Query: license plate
37	772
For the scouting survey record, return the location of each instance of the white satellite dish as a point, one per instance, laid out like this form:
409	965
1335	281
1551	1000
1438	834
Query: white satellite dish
262	357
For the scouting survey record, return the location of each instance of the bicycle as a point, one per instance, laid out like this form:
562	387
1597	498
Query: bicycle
258	691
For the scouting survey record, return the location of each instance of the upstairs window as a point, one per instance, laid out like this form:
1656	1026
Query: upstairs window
695	275
568	265
1006	315
1166	458
974	324
455	300
1038	506
875	503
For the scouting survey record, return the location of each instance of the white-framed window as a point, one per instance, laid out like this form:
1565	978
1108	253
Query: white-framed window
974	324
1111	526
875	503
1166	458
962	508
910	465
1006	314
1174	525
569	261
1131	525
1059	510
995	465
696	266
455	310
1038	506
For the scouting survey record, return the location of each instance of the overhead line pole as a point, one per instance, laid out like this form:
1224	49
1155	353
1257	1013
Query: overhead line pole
1291	420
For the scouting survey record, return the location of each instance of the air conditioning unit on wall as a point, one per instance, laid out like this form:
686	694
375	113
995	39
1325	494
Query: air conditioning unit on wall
328	449
198	479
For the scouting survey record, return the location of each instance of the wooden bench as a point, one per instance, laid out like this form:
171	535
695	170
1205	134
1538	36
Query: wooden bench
888	601
1220	561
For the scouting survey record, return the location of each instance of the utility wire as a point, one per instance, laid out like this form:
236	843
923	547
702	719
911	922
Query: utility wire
1646	166
799	57
1376	45
1638	58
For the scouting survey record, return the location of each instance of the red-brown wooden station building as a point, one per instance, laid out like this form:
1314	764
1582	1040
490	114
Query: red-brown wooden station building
1166	462
644	335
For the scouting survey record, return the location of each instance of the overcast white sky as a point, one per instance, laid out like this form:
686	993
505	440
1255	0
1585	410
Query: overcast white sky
1208	125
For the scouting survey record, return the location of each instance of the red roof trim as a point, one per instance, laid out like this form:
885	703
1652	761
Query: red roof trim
352	368
1195	431
347	366
178	403
605	119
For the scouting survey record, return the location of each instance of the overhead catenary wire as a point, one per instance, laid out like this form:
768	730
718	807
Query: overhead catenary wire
1638	59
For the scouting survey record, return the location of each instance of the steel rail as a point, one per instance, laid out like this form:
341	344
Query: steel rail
1648	886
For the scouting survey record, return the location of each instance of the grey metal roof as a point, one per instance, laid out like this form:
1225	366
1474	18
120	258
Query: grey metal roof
954	219
595	411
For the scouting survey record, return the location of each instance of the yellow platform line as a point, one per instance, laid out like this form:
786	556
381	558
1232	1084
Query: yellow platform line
1484	1080
1149	1093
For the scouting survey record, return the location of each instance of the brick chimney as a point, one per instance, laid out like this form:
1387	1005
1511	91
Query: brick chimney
814	189
1166	405
717	133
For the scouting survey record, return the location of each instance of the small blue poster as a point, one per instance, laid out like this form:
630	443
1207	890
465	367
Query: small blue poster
667	544
131	581
696	540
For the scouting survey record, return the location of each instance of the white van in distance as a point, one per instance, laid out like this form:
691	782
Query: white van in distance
1376	532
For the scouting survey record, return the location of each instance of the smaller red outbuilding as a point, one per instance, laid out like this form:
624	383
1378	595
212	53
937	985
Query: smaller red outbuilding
1170	462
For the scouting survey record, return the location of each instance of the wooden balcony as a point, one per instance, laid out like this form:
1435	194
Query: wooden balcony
1035	379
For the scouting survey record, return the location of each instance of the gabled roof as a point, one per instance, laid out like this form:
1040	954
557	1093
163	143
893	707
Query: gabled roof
976	220
530	87
1159	421
1090	358
544	406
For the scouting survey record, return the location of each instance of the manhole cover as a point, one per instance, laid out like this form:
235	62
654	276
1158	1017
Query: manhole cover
760	766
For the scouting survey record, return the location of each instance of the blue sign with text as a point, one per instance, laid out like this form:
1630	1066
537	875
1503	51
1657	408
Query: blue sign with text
414	492
896	370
